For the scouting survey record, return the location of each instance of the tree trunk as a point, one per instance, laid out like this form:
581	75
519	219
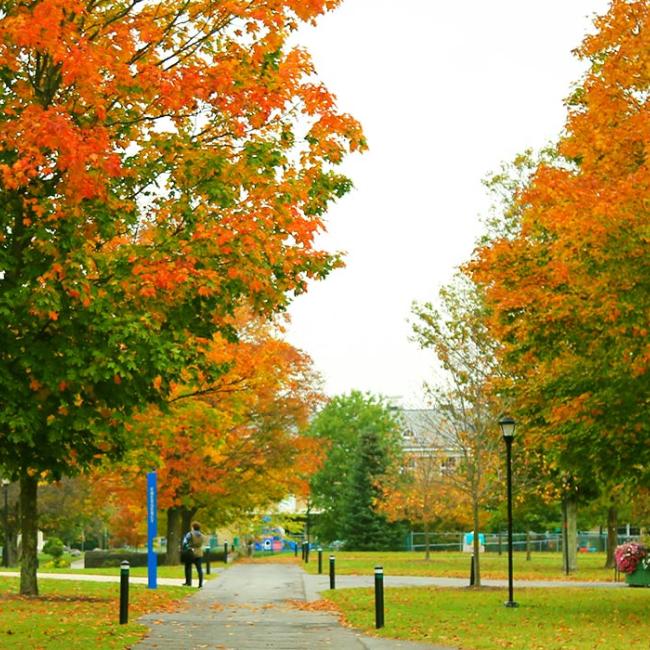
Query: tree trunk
427	542
29	530
528	546
13	547
173	534
570	546
612	535
477	545
187	515
14	527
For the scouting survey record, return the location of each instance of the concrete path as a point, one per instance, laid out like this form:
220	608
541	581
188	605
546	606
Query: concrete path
257	607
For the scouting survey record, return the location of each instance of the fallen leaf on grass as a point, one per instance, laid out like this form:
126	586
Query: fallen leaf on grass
54	598
313	605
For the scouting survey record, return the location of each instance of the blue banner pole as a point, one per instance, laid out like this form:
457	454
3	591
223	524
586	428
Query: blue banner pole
152	528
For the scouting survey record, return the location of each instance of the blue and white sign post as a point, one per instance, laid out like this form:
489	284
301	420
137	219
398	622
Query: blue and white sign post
152	529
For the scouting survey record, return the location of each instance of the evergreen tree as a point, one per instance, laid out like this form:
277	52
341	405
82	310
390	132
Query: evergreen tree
365	527
339	426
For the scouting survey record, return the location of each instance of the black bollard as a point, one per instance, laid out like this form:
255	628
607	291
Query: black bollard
307	553
379	597
472	576
225	552
303	551
332	573
295	549
124	592
207	562
320	560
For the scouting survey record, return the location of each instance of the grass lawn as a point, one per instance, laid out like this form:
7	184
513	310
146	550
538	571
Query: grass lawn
542	566
77	614
546	619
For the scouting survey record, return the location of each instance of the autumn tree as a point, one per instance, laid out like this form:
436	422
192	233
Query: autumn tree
227	447
465	402
68	510
568	288
416	490
160	161
119	493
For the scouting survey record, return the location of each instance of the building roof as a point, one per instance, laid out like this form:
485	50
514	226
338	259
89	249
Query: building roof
421	428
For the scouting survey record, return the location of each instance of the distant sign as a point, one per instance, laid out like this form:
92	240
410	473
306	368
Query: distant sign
152	526
468	543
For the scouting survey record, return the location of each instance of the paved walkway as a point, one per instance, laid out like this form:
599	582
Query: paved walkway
248	608
97	578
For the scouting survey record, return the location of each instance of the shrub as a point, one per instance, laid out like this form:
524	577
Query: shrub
53	547
95	559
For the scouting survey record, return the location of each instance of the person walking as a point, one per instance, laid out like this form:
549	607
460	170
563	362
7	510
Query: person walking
192	553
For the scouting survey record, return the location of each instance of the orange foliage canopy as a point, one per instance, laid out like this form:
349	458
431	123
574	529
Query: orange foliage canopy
160	162
233	445
570	292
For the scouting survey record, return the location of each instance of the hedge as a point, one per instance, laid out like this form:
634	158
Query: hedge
97	559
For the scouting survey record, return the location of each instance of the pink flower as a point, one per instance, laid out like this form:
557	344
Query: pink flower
629	555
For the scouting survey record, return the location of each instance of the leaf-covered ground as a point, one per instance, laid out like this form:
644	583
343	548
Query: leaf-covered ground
470	619
68	615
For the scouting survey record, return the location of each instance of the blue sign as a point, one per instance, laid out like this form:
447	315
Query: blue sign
469	538
152	529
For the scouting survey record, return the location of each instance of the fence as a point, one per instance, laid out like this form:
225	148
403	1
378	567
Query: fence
497	542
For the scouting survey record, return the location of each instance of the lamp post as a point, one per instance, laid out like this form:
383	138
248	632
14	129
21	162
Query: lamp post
507	425
5	546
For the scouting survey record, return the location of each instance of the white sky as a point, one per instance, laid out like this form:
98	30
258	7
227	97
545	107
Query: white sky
445	91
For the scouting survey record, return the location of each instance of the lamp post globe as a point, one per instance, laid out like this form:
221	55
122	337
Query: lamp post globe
507	425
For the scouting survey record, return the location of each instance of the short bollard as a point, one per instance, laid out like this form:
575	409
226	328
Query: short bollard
295	549
303	551
379	597
207	562
320	561
307	553
332	573
124	592
225	552
472	574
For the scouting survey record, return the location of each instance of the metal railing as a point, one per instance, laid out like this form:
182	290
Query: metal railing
497	542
